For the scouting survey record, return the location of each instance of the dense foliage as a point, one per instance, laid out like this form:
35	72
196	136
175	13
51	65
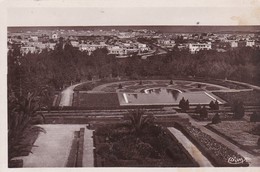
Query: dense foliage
67	64
139	142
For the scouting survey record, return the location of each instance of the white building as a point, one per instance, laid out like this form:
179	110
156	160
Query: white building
74	43
142	47
166	42
27	49
250	43
90	47
195	47
233	44
34	38
117	50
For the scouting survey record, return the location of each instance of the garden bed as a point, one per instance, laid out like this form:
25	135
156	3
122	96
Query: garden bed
116	146
219	154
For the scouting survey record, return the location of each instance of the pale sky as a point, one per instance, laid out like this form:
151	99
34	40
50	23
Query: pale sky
138	12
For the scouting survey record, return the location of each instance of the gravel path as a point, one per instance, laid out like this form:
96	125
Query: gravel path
67	95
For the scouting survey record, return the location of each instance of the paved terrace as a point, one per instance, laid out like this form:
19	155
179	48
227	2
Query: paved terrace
53	148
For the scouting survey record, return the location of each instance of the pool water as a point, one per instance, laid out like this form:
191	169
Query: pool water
165	96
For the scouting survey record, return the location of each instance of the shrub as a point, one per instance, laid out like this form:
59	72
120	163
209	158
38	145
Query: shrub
184	105
144	149
198	109
120	86
212	105
216	105
171	82
238	109
216	119
187	105
199	85
204	112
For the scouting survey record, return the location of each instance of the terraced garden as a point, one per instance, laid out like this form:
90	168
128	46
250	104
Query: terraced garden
219	154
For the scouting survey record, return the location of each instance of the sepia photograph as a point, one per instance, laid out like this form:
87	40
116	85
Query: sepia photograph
110	84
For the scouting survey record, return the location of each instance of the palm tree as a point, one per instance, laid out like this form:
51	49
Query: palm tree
21	111
138	120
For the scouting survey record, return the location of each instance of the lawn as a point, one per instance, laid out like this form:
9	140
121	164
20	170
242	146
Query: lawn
239	132
92	100
248	97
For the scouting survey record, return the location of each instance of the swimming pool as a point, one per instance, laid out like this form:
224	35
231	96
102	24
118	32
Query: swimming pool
165	96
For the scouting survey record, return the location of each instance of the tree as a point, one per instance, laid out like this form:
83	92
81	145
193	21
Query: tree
120	86
204	112
212	105
238	110
138	121
216	105
182	103
21	114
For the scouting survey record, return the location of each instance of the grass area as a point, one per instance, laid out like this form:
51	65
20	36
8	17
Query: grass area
239	132
97	100
116	146
210	88
249	98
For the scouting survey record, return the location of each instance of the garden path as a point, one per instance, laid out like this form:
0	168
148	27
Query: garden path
67	95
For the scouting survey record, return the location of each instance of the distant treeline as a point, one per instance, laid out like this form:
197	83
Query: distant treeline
67	64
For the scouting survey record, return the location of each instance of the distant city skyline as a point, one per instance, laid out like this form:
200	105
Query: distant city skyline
165	28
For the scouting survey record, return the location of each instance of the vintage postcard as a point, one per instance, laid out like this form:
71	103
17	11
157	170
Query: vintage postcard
138	85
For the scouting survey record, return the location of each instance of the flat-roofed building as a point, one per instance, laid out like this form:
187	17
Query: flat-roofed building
250	43
195	47
117	50
27	49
